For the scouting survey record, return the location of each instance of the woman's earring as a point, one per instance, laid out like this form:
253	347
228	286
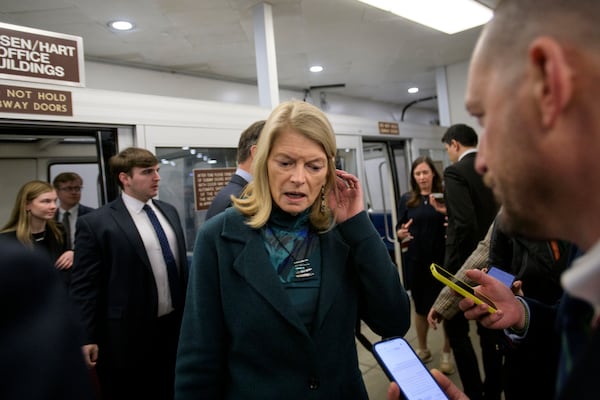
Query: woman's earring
323	200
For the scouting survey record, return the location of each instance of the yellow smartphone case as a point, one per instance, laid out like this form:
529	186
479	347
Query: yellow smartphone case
460	287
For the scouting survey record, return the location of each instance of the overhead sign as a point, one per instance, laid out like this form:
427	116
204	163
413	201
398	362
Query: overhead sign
26	100
389	128
35	55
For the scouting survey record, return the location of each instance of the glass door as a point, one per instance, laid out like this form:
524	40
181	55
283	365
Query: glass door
386	163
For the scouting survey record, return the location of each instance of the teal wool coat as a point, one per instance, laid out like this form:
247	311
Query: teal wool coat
242	339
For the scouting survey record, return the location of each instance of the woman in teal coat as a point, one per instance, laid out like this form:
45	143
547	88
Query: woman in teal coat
278	281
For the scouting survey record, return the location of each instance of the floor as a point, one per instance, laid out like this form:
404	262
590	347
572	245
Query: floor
375	379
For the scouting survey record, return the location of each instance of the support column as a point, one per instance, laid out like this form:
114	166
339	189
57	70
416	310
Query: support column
441	83
266	60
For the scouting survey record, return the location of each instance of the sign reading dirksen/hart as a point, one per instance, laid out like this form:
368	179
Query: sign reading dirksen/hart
35	55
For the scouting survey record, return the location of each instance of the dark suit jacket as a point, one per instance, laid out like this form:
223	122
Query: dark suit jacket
223	199
241	337
471	210
583	381
113	284
40	354
83	210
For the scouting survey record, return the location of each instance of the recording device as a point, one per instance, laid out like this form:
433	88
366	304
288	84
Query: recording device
439	197
501	275
461	287
402	365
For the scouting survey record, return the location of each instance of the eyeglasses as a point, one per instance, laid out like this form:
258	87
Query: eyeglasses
75	189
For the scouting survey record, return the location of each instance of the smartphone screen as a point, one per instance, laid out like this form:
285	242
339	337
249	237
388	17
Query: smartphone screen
402	365
501	275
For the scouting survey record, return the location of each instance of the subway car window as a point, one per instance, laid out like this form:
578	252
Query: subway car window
181	167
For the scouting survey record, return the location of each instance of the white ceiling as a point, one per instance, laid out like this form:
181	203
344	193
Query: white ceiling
377	55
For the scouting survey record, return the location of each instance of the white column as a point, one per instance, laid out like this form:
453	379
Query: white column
266	60
441	83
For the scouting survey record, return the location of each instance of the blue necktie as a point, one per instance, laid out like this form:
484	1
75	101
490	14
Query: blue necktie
168	256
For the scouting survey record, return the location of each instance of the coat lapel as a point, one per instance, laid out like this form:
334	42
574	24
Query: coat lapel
333	263
125	223
254	265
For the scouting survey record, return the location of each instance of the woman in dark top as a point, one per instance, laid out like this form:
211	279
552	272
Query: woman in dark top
422	229
32	223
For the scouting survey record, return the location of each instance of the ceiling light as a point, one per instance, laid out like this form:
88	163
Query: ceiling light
448	16
413	90
316	68
121	25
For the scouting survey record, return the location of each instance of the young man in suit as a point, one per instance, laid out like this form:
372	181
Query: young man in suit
243	173
471	209
68	187
129	280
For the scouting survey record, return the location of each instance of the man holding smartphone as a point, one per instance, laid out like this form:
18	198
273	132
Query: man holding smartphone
534	92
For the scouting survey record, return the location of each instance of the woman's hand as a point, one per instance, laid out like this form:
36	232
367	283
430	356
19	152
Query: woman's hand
437	206
403	233
65	261
346	199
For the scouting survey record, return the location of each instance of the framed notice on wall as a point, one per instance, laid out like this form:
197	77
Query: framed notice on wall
34	55
207	183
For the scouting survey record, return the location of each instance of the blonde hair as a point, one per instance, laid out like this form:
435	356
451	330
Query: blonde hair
19	220
256	202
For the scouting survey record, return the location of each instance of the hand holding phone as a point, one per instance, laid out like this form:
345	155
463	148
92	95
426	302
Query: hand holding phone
461	287
439	197
402	365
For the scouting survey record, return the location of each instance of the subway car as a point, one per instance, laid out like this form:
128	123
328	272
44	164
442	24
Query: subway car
191	138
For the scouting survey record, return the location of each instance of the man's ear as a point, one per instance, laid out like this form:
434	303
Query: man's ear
455	144
553	86
252	151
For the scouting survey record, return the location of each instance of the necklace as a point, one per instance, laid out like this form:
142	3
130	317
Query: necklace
301	266
39	236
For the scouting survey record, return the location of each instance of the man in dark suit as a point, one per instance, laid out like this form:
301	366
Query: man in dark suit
242	176
68	187
471	209
40	353
129	280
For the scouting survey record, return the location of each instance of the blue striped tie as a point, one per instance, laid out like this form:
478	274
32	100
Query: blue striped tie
172	274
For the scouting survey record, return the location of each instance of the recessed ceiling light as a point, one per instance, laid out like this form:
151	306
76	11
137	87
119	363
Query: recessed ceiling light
121	25
413	90
316	68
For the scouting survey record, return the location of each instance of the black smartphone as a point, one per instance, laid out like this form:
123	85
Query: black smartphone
439	197
501	275
402	365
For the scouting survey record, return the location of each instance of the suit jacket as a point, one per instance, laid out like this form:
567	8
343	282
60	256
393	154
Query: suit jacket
40	354
471	210
113	283
223	199
241	337
583	381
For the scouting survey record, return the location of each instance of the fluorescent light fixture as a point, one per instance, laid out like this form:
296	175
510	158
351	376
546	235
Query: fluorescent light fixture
316	68
448	16
121	25
413	90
